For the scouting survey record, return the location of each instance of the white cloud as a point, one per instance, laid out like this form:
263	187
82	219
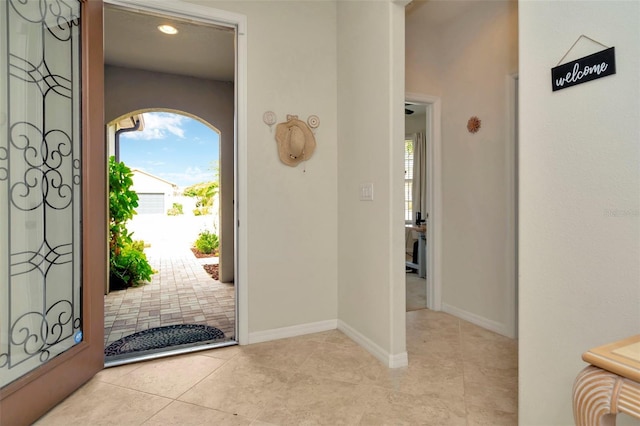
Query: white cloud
190	176
156	163
159	125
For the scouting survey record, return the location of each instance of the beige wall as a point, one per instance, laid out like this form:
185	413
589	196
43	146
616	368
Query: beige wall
371	129
291	214
308	235
128	90
580	199
415	123
466	61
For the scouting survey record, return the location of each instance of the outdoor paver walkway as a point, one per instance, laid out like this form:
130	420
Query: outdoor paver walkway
180	293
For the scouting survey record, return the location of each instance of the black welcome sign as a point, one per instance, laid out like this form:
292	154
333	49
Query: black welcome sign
592	67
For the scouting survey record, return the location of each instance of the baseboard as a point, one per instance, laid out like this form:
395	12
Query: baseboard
391	361
292	331
483	322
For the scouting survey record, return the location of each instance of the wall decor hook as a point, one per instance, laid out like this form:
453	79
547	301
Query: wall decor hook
270	119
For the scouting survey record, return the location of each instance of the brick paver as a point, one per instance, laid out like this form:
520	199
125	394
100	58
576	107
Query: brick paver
181	292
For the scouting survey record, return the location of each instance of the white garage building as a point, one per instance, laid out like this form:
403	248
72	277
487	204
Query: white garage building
155	195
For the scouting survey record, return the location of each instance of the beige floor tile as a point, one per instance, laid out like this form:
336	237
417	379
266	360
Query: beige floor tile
169	377
457	373
314	401
416	292
344	363
388	407
490	354
422	378
490	398
99	403
440	349
339	338
183	414
239	387
226	352
489	417
111	375
503	378
284	354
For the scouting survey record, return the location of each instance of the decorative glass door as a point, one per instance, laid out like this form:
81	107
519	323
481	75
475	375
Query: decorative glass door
40	183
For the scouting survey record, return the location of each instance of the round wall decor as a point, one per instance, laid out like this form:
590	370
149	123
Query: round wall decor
269	118
473	125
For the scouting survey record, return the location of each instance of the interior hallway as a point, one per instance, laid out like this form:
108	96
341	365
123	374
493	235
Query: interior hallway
458	374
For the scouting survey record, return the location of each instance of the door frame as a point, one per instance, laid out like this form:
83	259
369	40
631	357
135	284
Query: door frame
434	196
209	15
28	398
512	172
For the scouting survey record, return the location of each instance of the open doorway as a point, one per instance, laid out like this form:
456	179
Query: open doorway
415	205
184	78
422	126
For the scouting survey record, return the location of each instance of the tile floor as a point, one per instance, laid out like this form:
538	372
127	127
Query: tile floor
416	292
180	293
458	374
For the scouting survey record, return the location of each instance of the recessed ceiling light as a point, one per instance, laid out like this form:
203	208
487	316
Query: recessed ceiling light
168	29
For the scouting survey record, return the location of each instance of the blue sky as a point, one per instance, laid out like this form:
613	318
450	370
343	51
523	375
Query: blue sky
174	147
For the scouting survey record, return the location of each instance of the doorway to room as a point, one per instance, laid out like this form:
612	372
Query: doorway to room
422	232
176	81
416	214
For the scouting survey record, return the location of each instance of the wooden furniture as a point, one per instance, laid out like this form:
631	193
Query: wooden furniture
610	385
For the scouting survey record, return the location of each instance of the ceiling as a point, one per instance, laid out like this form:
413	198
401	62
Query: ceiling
133	40
200	50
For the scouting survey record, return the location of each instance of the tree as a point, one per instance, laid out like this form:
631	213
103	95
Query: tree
204	192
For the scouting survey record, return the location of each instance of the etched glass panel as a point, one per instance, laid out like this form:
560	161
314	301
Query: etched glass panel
40	183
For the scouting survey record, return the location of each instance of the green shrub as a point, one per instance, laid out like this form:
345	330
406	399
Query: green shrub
207	242
202	211
130	267
175	210
204	193
128	264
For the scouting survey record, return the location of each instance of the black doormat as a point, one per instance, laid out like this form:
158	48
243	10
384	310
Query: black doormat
163	337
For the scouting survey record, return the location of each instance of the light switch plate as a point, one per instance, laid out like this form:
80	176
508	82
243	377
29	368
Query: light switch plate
366	192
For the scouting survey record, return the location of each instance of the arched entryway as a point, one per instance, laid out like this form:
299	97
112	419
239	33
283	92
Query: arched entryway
172	159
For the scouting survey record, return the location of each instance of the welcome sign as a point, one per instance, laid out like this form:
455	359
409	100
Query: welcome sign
592	67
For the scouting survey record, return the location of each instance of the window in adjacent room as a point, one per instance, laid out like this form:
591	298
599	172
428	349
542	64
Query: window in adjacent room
408	179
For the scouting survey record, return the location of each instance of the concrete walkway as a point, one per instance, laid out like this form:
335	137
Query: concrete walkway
181	292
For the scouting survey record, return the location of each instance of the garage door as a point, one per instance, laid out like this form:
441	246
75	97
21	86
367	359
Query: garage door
150	203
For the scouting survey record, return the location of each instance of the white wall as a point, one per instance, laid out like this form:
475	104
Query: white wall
580	200
466	60
292	214
143	182
370	150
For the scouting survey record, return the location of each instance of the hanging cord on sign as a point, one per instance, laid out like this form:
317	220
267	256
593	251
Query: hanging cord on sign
576	42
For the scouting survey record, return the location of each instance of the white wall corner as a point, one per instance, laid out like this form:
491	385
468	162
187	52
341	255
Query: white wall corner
391	361
491	325
292	331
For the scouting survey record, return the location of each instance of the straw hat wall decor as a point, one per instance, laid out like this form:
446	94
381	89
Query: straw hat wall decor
296	141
